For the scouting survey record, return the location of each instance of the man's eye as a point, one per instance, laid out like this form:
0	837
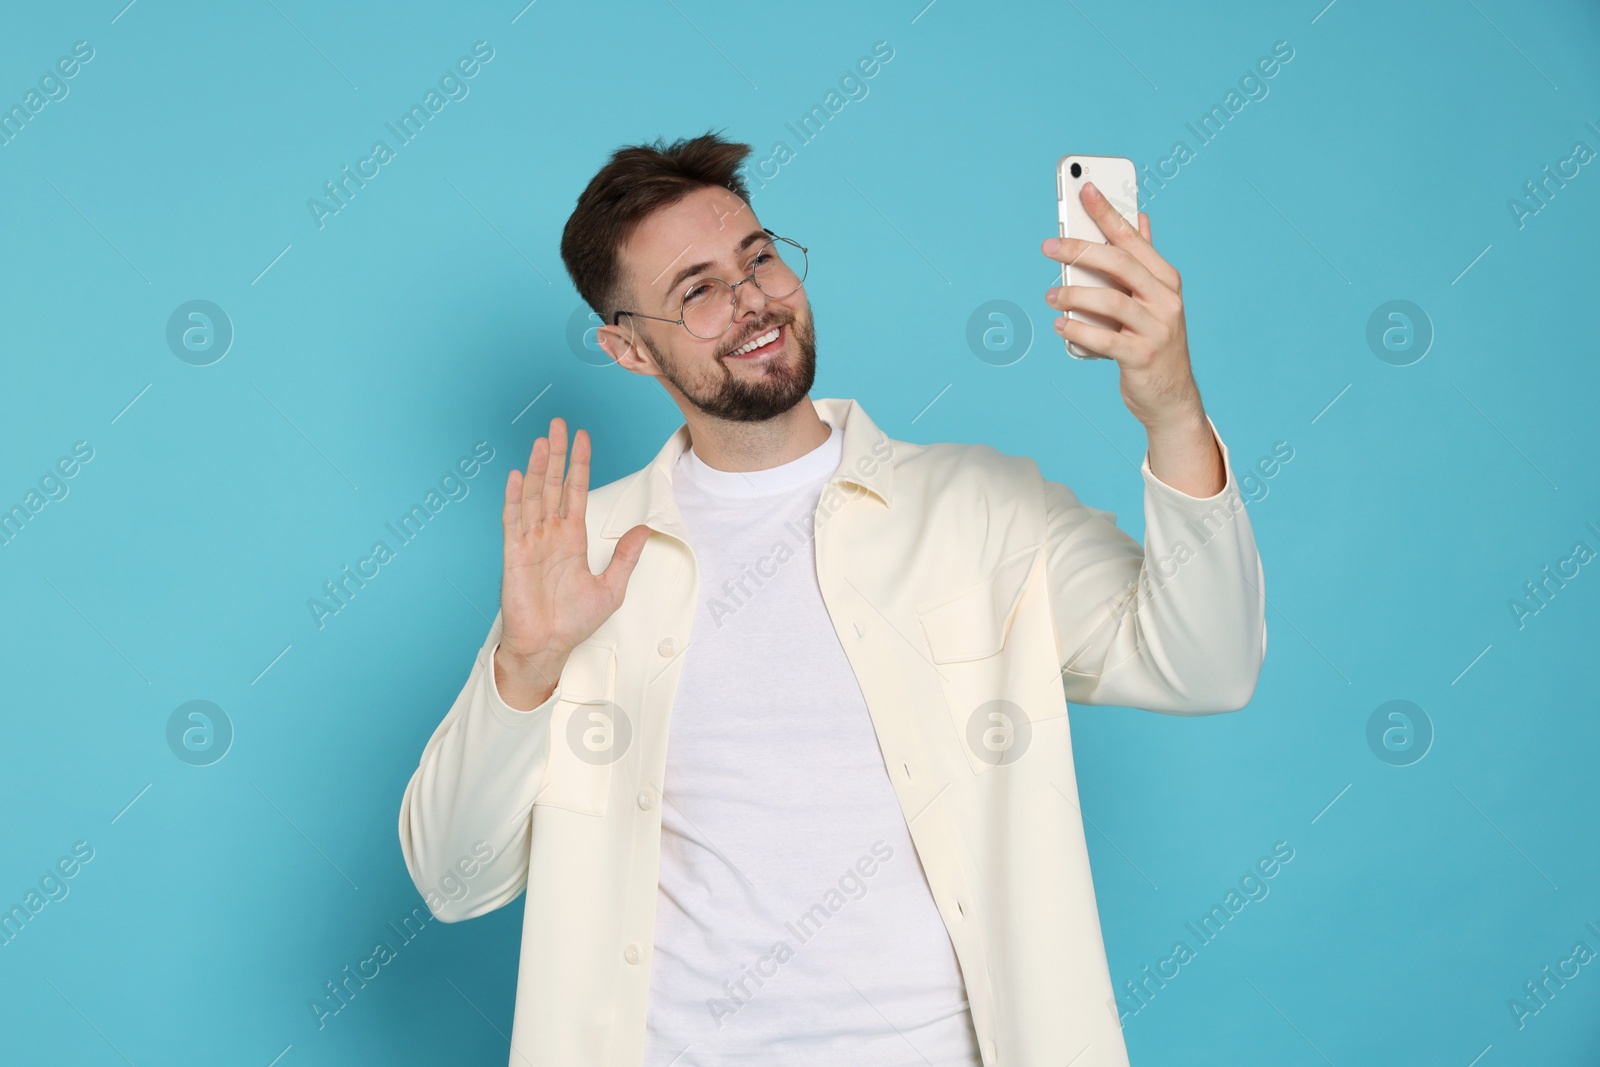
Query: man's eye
695	294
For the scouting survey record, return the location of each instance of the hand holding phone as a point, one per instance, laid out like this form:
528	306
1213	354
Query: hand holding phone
1128	308
1117	180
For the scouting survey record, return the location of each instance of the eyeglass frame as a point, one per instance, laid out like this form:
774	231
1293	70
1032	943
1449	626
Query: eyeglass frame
733	289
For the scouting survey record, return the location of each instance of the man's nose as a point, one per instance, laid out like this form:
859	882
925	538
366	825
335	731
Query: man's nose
750	295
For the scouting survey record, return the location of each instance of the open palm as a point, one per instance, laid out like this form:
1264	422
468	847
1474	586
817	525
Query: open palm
549	599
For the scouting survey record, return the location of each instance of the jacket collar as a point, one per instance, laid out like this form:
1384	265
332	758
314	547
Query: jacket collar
648	497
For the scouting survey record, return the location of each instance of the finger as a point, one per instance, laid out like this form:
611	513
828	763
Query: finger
511	515
551	503
1144	226
1117	263
572	501
1119	233
1111	303
532	511
1094	338
623	559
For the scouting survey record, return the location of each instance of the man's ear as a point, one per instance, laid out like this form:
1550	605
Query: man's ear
614	341
622	344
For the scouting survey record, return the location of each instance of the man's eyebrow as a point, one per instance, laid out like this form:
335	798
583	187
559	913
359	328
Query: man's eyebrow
700	268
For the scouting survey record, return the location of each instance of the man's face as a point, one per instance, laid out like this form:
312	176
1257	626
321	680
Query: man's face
711	233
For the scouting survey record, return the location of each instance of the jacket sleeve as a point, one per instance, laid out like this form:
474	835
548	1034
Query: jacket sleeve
1176	626
474	787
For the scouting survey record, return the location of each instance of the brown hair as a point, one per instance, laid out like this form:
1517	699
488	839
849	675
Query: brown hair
638	180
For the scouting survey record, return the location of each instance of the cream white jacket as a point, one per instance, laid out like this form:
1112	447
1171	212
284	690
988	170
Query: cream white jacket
974	599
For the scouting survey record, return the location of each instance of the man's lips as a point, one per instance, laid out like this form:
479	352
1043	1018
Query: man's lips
767	349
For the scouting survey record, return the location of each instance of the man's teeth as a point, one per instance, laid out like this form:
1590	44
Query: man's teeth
765	339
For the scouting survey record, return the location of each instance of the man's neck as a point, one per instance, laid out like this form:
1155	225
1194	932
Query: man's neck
752	446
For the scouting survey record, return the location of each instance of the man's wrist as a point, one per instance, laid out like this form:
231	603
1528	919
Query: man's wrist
525	682
1183	417
1184	453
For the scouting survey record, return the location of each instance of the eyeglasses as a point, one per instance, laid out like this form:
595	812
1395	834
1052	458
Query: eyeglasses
710	304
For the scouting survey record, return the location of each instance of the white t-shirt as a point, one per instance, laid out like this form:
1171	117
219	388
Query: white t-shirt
794	924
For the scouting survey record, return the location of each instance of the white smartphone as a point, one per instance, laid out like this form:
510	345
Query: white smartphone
1117	180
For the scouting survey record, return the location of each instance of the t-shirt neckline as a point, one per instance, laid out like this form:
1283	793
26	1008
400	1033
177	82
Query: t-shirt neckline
802	471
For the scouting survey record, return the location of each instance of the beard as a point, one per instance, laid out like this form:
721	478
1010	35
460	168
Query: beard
781	385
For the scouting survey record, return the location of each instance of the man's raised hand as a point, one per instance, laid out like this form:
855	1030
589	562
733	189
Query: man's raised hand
549	599
1150	343
1151	340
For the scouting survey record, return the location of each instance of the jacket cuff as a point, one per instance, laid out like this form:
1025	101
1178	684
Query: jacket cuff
507	714
1177	496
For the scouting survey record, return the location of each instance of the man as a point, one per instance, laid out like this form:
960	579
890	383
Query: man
862	844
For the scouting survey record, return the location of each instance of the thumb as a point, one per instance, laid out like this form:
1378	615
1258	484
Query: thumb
623	559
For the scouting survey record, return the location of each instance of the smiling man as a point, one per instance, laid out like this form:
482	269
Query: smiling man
773	732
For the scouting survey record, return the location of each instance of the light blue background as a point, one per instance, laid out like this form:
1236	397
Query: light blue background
432	311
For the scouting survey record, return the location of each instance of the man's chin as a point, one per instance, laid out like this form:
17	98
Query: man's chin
763	390
775	395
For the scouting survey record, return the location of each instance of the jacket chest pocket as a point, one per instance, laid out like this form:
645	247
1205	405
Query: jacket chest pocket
588	733
985	683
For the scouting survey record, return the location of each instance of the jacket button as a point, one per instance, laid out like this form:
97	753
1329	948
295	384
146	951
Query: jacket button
631	953
667	647
646	801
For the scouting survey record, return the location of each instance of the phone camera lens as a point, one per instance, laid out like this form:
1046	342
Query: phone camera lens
1077	170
